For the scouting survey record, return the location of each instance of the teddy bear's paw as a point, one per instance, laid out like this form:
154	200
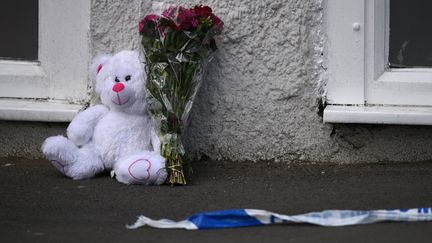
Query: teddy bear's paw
146	168
59	165
134	171
70	170
60	147
79	134
84	167
60	152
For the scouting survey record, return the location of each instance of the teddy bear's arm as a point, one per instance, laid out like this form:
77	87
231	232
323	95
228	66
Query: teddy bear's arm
80	130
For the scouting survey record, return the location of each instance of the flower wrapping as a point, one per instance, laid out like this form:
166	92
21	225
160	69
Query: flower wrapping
177	46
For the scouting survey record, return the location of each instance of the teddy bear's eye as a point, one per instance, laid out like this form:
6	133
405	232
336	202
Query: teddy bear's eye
128	77
116	79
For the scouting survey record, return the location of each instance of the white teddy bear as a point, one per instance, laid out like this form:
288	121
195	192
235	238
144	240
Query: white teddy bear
119	134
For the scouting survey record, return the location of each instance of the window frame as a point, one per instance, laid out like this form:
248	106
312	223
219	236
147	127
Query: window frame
361	87
55	87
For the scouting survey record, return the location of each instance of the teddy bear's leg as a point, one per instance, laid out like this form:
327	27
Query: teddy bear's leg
74	162
145	168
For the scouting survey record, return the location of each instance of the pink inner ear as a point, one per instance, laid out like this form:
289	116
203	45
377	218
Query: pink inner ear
99	68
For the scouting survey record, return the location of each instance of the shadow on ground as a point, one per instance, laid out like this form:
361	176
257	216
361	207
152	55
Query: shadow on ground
38	204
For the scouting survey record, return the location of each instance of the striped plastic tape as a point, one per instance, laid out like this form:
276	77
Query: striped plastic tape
254	217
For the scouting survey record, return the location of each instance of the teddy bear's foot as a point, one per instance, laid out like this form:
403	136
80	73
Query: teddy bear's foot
74	162
60	152
59	165
145	168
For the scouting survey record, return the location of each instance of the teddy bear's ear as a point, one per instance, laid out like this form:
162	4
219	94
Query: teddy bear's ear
98	64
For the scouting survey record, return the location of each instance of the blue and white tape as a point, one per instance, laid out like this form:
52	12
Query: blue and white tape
255	217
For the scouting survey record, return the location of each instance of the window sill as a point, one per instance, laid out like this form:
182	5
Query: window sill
378	115
36	110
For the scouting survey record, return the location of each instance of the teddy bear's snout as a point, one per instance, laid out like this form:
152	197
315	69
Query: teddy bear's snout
118	87
122	95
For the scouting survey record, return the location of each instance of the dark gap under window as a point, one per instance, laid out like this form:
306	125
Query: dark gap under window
410	33
19	23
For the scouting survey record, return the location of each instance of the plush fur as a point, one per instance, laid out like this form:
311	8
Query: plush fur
119	134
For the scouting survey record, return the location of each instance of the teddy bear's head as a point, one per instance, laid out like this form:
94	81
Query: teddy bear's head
120	81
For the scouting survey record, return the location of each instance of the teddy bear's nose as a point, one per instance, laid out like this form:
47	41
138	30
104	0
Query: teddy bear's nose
118	87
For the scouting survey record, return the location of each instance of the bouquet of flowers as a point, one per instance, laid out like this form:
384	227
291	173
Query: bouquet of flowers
177	45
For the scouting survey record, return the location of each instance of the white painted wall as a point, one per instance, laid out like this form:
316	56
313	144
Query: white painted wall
260	97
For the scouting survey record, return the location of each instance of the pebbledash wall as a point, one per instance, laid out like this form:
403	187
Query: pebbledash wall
260	100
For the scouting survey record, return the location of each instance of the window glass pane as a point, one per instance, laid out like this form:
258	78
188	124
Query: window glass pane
410	33
19	29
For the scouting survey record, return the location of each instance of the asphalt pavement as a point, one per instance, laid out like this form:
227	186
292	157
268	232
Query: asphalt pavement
37	204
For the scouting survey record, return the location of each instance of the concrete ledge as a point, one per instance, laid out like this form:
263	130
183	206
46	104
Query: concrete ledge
378	115
37	110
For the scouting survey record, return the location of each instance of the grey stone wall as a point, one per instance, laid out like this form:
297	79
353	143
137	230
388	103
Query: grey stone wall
261	95
260	98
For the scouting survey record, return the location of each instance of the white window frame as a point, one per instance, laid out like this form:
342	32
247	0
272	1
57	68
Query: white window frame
55	87
361	87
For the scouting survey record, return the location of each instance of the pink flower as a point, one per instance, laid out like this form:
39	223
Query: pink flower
141	26
183	19
202	11
152	18
173	13
194	22
207	13
217	22
148	19
187	20
178	18
170	12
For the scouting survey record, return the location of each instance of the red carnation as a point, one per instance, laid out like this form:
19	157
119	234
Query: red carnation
183	19
195	22
217	22
171	12
148	19
202	11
